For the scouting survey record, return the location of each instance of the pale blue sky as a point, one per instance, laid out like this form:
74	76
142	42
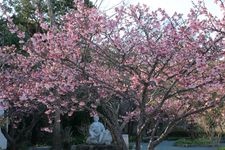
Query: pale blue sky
180	6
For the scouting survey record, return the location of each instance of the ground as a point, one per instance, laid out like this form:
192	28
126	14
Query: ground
169	145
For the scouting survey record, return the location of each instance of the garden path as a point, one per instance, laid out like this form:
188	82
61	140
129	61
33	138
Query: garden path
169	145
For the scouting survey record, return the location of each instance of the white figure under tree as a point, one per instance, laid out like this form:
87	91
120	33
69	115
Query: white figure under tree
98	134
3	141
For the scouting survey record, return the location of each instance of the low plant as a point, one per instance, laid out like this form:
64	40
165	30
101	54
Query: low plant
221	148
79	139
188	142
67	137
173	138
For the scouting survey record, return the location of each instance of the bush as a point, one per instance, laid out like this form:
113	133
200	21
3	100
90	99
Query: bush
193	142
79	140
173	138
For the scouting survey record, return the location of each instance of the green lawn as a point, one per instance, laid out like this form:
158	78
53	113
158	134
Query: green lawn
186	142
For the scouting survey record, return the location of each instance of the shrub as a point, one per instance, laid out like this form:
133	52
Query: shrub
193	142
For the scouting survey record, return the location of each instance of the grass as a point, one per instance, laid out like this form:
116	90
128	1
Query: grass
221	148
188	142
174	138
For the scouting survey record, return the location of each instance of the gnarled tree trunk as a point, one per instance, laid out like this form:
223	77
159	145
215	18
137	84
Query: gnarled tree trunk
57	141
113	124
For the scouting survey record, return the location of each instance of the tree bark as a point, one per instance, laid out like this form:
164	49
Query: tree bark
141	122
150	147
24	133
110	118
138	142
50	12
119	139
11	141
57	144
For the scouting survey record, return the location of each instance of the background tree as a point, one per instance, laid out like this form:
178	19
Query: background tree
25	12
25	17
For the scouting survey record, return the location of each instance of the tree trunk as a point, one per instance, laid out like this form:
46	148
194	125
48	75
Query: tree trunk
11	141
12	147
57	141
153	143
138	142
50	12
119	140
151	146
117	136
111	120
141	121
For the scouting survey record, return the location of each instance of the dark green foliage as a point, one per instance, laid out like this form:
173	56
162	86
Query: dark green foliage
89	3
187	142
79	124
6	37
25	18
178	133
37	66
67	137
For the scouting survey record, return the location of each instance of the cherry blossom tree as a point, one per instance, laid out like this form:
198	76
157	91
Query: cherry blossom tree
170	67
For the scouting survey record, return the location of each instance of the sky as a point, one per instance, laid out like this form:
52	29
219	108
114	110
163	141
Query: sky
171	6
180	6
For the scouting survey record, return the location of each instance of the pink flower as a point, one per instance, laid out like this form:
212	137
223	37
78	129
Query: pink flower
44	26
23	97
81	104
47	129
